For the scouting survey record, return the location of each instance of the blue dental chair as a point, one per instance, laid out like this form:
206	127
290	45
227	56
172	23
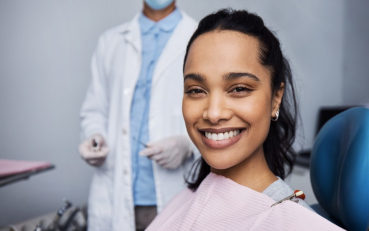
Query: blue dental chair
339	169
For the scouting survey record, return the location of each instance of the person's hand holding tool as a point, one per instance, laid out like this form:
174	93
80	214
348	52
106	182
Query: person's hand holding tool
94	150
169	152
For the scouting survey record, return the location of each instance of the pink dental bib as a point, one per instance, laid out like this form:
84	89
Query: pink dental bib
221	204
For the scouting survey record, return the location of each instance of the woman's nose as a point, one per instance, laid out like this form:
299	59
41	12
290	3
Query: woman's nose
216	110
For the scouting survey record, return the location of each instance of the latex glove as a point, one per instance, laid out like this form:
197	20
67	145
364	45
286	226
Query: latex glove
94	150
169	152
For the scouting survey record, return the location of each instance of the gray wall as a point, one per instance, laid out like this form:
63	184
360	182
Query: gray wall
46	46
355	86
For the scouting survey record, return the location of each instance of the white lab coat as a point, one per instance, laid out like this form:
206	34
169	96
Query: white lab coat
115	69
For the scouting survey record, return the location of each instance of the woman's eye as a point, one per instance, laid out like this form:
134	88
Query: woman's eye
240	89
195	92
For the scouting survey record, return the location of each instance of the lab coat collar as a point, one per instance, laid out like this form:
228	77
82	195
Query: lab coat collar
175	46
166	24
131	33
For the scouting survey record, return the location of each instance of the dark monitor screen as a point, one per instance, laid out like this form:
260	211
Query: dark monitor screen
327	113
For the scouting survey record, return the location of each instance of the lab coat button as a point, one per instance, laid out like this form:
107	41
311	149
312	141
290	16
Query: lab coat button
125	172
126	91
124	131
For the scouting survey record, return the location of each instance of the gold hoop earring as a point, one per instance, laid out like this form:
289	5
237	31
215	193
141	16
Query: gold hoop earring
275	118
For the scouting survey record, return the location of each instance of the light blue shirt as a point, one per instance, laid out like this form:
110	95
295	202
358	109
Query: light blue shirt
154	36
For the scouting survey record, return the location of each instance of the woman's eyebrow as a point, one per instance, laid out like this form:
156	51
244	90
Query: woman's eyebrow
236	75
195	77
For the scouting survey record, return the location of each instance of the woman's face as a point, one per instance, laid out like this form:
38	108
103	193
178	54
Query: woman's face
228	101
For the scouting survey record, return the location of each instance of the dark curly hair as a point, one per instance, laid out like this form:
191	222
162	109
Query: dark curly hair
278	149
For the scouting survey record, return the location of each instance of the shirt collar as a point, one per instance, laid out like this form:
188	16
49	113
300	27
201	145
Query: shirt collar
166	24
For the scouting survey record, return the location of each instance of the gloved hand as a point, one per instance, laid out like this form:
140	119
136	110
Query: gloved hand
169	152
94	150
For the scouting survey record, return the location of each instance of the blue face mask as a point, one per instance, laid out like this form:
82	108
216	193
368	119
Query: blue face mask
158	4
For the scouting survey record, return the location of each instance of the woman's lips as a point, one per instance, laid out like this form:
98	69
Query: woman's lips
212	142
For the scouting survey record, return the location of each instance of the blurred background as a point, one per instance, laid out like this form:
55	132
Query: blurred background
45	52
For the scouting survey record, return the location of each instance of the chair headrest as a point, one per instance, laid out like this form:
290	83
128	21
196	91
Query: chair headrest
339	169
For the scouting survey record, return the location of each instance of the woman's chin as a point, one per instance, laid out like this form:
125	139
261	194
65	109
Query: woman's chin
218	165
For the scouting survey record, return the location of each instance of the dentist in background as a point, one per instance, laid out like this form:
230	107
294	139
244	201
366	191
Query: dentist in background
131	120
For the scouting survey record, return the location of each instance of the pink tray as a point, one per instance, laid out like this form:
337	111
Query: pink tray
13	167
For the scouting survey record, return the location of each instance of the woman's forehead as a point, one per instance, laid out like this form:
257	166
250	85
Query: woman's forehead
225	43
221	36
223	52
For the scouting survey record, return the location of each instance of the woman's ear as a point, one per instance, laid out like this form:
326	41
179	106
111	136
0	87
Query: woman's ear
277	99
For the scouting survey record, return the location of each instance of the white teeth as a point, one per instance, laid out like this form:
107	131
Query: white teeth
222	136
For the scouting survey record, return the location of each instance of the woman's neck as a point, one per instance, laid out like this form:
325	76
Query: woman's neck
253	173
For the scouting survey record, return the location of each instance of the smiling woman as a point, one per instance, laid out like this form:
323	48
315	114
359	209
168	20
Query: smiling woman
235	72
238	114
234	103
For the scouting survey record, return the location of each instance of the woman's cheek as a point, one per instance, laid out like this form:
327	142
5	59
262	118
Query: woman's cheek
190	109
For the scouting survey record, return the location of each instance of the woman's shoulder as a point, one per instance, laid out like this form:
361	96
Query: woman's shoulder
279	190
